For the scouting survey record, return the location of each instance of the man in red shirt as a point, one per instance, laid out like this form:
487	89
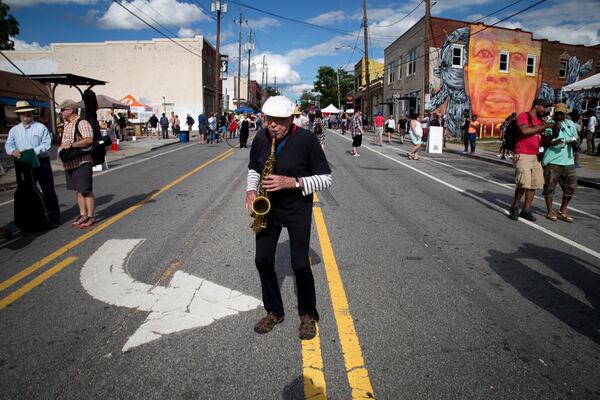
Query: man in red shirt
379	122
529	174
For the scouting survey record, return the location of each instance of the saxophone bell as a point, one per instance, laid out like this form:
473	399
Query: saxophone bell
261	205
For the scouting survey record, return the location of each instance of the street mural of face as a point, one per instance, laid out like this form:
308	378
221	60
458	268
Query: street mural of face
495	94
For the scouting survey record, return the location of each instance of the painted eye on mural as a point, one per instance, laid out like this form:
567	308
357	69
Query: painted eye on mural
484	53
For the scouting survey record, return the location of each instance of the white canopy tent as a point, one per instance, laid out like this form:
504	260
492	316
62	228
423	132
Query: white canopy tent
330	109
592	82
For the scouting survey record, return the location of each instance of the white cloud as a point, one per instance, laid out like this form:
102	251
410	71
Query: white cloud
26	3
263	24
165	12
187	32
328	18
33	46
295	91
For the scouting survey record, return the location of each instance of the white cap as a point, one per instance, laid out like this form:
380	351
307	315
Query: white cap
278	106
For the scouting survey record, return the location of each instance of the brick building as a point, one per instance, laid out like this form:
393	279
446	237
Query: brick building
489	71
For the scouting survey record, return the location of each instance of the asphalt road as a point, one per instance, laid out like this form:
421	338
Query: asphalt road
426	289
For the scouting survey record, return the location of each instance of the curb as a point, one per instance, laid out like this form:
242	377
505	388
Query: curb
580	181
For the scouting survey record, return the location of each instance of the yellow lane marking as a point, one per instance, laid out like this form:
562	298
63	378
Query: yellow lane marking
358	376
312	370
226	155
75	242
35	282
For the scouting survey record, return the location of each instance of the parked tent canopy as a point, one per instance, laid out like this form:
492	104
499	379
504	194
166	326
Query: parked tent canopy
330	109
592	82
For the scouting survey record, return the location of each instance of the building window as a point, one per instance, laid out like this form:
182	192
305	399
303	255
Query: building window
504	61
457	56
531	65
392	72
562	72
412	62
400	68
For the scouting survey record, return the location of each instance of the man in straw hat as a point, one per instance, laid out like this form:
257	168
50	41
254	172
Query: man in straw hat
559	164
78	133
301	169
30	134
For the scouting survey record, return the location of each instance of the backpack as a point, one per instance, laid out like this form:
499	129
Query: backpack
512	132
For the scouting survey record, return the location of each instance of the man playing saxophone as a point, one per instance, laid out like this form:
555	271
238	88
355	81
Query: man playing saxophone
300	168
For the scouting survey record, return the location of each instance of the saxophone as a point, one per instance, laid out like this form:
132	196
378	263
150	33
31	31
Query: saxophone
261	204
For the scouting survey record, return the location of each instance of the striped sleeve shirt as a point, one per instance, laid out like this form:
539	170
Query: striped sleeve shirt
310	184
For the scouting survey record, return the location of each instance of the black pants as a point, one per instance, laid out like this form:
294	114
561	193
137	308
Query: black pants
165	132
46	181
243	138
266	245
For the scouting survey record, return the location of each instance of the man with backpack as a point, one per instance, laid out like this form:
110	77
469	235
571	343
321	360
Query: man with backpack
529	174
78	133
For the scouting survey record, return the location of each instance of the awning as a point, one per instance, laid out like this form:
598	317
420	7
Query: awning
12	101
592	82
330	109
67	79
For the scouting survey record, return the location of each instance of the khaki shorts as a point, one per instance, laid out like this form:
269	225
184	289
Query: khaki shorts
528	171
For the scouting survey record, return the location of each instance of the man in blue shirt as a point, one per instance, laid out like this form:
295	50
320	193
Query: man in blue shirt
202	130
33	135
559	164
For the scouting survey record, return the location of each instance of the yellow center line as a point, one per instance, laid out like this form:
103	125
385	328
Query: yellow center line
77	241
358	376
312	370
226	155
35	282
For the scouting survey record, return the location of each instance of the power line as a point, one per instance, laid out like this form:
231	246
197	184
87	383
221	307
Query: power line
403	18
156	29
472	34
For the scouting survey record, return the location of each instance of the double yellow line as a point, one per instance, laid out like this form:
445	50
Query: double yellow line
358	375
23	290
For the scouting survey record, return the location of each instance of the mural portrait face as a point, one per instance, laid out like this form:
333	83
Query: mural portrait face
495	94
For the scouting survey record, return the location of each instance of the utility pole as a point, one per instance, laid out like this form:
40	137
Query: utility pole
426	54
249	47
366	61
276	93
239	72
262	82
218	6
267	82
337	72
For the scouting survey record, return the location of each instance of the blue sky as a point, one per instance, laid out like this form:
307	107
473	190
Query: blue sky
293	51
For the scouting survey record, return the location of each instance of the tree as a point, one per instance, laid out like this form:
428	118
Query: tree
9	28
306	99
326	84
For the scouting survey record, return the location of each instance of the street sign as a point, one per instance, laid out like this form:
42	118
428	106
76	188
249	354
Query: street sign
187	302
435	139
224	66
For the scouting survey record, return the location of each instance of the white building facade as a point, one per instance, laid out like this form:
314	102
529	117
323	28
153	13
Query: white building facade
157	72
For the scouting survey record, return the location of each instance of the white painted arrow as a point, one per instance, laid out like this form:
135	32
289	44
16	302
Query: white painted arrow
188	302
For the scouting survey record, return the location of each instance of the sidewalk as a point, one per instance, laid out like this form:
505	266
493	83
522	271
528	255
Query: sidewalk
588	175
129	148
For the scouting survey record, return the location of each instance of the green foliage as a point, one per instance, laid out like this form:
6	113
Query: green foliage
326	84
9	27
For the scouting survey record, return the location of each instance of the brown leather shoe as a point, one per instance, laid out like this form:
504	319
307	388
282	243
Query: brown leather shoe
308	327
266	324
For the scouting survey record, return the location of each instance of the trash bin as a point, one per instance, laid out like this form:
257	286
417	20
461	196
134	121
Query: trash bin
184	136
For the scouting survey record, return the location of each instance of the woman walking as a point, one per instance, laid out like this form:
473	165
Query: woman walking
319	129
390	127
415	134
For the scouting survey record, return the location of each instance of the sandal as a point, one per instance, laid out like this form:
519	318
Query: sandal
308	327
267	323
552	217
565	217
